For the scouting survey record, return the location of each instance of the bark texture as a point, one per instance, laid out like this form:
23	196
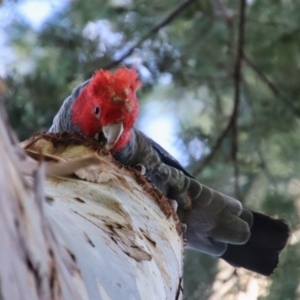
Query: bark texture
80	226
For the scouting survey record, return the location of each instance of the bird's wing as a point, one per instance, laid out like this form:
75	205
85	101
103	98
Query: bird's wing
168	159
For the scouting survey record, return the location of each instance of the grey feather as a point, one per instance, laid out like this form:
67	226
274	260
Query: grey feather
63	119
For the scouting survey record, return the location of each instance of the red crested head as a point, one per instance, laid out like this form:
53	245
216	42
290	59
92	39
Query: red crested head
116	94
109	98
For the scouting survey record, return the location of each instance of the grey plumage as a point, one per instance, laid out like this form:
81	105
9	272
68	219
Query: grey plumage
216	223
62	121
212	218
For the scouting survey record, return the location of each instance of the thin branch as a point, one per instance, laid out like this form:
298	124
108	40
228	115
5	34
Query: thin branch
169	18
237	91
277	92
227	15
232	121
221	11
216	146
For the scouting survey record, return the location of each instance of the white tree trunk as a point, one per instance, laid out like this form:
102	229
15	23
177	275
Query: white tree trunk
108	235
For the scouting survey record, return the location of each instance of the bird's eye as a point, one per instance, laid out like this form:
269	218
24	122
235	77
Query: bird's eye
96	110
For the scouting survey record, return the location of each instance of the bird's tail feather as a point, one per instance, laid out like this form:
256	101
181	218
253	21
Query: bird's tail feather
261	253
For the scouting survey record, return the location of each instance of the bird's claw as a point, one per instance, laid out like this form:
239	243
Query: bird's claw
141	169
185	242
174	204
183	227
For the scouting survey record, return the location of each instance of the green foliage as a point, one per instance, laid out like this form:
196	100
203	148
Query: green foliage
197	52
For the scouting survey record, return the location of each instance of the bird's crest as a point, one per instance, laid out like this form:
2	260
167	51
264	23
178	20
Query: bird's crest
115	93
119	85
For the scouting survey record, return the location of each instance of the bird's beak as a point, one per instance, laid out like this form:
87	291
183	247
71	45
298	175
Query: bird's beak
112	134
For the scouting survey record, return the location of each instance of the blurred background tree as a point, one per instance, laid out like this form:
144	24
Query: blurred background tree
221	92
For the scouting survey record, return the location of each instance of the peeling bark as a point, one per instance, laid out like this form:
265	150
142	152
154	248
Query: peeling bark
90	229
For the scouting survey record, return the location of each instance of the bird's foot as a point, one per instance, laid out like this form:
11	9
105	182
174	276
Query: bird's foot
185	242
141	169
183	227
174	204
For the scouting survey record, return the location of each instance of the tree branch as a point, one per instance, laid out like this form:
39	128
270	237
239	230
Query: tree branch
232	124
216	146
225	14
169	18
280	95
